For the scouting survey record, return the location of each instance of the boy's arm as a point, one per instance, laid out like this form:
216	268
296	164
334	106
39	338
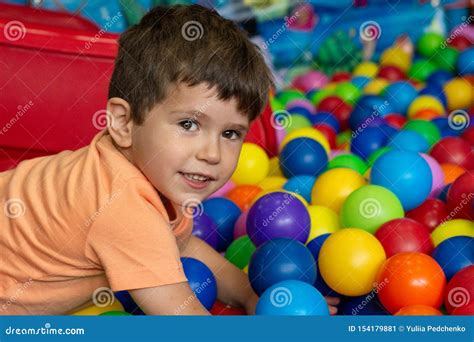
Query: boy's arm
174	299
233	287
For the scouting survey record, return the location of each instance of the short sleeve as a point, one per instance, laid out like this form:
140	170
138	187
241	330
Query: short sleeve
133	242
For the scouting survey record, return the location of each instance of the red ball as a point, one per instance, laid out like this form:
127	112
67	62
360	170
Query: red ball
328	132
430	213
468	135
454	150
460	290
340	109
395	120
461	197
391	73
341	76
220	309
460	43
404	235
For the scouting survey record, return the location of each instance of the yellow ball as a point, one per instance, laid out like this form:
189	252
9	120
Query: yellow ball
376	86
94	310
331	86
253	165
307	132
395	56
275	167
333	186
323	221
367	69
349	261
425	102
459	93
246	269
272	183
457	227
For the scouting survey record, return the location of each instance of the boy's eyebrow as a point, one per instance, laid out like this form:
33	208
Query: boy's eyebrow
198	114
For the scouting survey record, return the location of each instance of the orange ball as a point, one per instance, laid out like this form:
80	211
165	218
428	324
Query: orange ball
410	279
418	310
243	195
426	114
451	172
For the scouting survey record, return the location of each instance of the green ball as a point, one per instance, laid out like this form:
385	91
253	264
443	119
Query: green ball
115	313
344	137
429	43
285	96
276	105
422	69
376	154
369	207
350	161
240	251
446	58
297	121
320	95
348	92
427	129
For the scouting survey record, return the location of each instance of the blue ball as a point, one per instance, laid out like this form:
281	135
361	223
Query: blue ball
404	173
280	259
314	247
400	95
435	91
292	298
326	118
128	303
368	141
407	140
367	109
205	229
301	111
439	77
445	129
302	185
444	193
201	280
367	305
303	156
224	213
360	81
454	254
464	63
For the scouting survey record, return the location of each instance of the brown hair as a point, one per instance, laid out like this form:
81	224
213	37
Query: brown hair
190	44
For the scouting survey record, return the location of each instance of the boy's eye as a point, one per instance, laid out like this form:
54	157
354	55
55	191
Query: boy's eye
231	134
188	125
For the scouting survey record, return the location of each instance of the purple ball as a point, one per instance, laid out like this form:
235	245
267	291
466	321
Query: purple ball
278	215
205	229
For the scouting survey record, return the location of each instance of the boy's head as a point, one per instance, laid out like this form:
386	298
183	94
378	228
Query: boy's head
186	86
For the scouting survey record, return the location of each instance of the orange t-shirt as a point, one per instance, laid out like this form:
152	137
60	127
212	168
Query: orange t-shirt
80	220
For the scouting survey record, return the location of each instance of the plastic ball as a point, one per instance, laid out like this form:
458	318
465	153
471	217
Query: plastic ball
427	129
220	309
278	260
451	173
310	80
460	290
429	44
240	251
418	310
302	184
369	207
400	95
428	115
368	108
320	95
460	42
115	313
376	86
303	156
350	161
293	111
128	303
94	310
348	92
288	95
430	213
395	56
460	199
459	93
436	91
333	186
404	235
307	132
323	221
253	165
377	154
242	195
422	69
454	150
410	279
454	254
224	213
201	280
360	81
440	77
468	135
296	122
368	141
272	183
391	73
401	172
205	229
328	132
452	228
349	261
229	185
340	76
240	227
278	215
301	103
292	298
464	62
367	69
395	120
425	102
327	119
446	58
437	174
274	170
367	305
407	140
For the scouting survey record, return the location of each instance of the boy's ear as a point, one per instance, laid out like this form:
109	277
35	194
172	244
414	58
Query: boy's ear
120	121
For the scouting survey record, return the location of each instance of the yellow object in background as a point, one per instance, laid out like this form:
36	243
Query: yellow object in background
272	183
367	69
323	221
274	169
449	229
94	310
459	93
395	56
425	102
307	132
253	165
376	86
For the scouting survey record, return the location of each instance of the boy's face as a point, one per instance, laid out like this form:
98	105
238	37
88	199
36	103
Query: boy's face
190	133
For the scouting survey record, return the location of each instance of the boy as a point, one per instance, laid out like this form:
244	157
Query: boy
115	214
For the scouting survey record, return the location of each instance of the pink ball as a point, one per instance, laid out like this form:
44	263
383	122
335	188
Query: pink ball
240	228
224	189
311	80
280	134
437	183
335	153
301	103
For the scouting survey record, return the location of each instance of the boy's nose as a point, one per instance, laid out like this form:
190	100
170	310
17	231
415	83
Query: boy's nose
209	152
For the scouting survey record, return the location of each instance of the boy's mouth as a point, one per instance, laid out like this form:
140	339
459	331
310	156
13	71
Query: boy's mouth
197	177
